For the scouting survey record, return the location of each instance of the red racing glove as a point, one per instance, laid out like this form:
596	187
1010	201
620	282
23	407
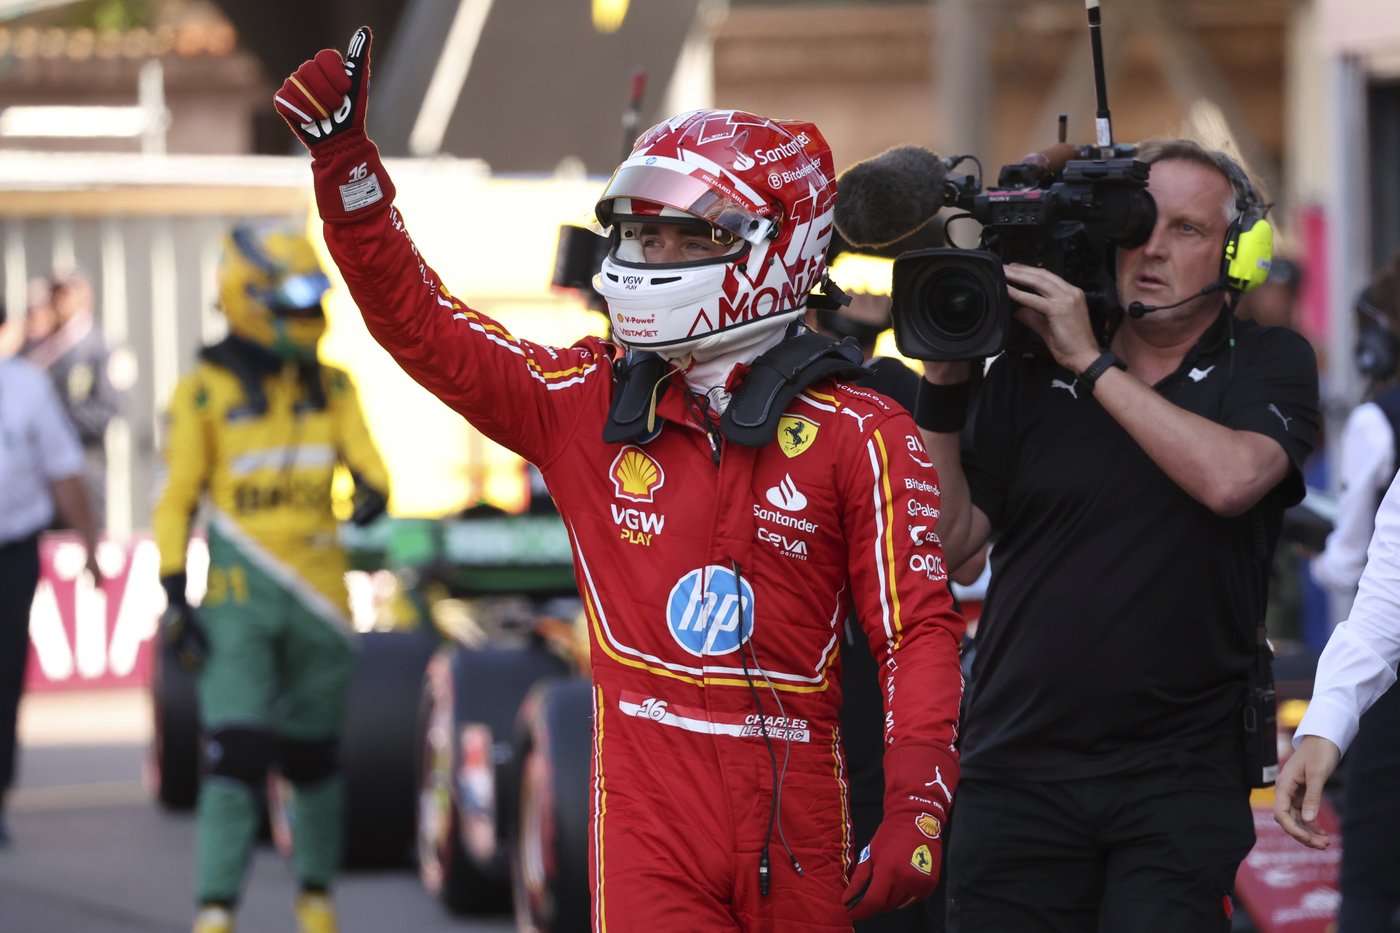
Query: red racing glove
901	863
324	102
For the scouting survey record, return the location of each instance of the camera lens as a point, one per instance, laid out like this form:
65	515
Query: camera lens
949	304
957	304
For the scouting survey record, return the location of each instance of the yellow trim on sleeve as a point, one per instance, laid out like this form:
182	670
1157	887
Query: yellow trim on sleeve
889	536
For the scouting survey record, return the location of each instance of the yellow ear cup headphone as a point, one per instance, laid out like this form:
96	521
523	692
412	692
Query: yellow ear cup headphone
1249	241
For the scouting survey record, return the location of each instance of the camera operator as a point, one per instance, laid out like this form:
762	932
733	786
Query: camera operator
1136	492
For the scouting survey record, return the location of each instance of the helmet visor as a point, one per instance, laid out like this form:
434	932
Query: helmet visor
296	295
685	192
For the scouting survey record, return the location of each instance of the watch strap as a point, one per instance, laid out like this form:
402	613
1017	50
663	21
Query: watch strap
1107	360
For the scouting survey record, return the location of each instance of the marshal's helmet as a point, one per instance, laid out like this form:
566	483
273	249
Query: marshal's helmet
766	187
270	289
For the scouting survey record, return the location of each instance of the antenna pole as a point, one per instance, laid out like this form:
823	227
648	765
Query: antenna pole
1103	128
631	117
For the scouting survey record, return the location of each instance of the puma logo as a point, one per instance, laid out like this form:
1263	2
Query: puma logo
1198	374
860	419
1274	408
938	782
1067	386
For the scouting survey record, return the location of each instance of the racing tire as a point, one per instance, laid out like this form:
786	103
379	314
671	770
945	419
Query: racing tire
469	703
549	850
379	747
173	765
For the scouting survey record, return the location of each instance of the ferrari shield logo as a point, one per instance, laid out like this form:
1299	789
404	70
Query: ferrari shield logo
795	434
922	859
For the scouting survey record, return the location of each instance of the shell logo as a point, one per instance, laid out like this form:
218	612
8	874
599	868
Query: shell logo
929	825
635	475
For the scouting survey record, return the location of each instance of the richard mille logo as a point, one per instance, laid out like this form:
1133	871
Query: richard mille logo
1067	386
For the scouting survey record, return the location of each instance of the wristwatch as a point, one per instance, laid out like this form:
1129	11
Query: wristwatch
1107	359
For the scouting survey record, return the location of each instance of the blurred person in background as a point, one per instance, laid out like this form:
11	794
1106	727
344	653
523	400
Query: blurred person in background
257	432
729	497
15	332
1275	302
76	356
1371	437
1354	697
1370	877
41	476
39	319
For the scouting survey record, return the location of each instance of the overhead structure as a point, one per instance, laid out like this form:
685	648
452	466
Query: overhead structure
528	84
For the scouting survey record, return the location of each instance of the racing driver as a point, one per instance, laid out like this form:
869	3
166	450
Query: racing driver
259	427
728	500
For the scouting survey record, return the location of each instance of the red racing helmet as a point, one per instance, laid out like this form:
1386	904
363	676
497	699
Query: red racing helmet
766	187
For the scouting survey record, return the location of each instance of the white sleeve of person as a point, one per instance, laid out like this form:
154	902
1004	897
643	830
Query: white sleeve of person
1358	664
1367	466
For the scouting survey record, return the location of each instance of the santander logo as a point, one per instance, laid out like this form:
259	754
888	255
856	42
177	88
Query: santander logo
787	496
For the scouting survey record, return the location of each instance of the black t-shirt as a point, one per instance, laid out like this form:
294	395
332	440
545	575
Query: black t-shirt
1120	619
862	703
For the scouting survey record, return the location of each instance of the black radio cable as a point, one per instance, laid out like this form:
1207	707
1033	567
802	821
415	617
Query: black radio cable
774	814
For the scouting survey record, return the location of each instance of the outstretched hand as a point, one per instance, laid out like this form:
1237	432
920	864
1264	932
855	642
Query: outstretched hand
1298	790
324	102
328	95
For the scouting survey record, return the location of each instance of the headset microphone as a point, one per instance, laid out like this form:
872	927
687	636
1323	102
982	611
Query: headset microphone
1136	309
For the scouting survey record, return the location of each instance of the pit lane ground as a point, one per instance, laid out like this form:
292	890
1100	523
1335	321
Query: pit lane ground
92	853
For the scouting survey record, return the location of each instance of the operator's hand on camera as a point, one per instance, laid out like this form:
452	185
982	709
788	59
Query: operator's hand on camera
324	102
901	864
180	627
1057	311
1298	790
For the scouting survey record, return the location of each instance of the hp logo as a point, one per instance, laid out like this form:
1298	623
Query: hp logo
706	614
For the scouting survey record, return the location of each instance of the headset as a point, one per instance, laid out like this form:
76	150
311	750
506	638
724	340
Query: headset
1249	243
1249	240
1377	348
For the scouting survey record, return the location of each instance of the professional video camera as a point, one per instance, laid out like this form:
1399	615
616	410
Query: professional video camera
1064	209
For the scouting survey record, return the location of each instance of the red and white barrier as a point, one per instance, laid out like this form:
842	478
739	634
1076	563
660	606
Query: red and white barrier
82	635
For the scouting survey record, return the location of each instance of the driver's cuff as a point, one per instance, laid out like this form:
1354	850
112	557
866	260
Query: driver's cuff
351	182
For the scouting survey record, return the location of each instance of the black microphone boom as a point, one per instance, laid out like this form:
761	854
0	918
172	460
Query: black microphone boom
889	196
1137	310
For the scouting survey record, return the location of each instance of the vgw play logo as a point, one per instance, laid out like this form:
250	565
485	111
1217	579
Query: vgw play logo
707	614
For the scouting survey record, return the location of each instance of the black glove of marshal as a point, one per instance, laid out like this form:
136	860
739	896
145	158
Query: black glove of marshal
180	627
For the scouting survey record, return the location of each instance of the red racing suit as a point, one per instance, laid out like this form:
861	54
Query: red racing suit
671	539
